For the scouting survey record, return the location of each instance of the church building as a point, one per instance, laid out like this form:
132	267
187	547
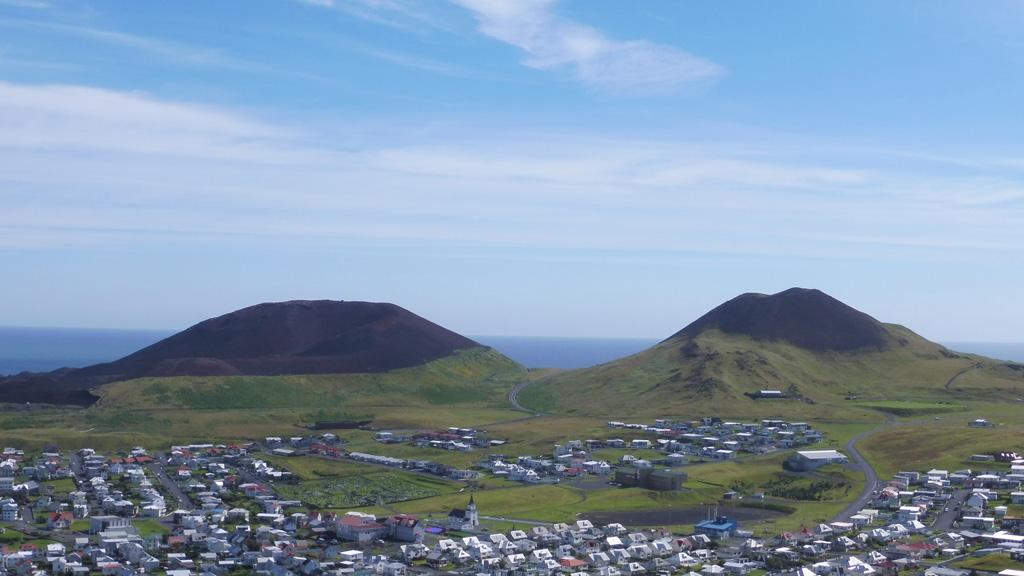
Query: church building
464	519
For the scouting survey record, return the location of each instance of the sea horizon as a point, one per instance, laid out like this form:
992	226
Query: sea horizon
30	349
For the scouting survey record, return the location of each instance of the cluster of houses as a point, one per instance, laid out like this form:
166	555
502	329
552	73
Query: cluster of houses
460	439
711	437
325	439
97	493
982	499
327	443
263	533
49	466
680	441
578	548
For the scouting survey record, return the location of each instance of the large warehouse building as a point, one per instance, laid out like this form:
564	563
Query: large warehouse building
811	459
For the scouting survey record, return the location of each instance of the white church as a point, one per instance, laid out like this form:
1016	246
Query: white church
464	519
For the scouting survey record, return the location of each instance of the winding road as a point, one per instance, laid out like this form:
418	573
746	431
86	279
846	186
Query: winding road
871	483
512	396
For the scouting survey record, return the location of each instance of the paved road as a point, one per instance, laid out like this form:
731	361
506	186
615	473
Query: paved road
158	469
871	483
515	392
951	510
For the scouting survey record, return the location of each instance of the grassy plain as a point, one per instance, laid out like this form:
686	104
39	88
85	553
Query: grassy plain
945	444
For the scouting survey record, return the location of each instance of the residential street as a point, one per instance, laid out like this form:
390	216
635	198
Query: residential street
184	503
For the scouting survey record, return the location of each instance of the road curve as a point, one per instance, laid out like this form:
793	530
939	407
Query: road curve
871	483
515	393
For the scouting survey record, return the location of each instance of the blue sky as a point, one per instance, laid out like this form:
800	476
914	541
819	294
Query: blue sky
512	167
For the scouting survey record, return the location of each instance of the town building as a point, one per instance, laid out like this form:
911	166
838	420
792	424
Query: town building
811	459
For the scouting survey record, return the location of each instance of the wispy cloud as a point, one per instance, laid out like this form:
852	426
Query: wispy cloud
172	51
78	118
552	42
87	166
405	14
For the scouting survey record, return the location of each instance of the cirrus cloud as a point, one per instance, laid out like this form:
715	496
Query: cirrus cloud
552	42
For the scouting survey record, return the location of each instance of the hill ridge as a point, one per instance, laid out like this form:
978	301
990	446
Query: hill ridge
804	317
817	350
273	338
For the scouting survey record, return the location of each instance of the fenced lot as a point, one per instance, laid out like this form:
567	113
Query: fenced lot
357	491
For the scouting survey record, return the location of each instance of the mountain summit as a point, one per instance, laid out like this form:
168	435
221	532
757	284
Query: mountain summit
297	337
805	346
803	317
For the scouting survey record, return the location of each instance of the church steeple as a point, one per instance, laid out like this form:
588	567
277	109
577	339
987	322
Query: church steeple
474	519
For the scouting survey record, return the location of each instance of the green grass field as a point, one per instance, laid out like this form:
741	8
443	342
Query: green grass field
150	526
989	563
944	444
527	502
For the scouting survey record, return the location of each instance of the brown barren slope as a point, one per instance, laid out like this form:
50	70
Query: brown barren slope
297	337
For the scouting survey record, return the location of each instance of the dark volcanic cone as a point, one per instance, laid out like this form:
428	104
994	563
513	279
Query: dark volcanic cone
298	337
807	318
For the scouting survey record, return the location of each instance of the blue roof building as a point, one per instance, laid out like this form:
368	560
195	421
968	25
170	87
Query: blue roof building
720	527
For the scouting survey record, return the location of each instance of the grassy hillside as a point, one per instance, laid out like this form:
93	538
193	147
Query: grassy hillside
472	376
469	388
710	373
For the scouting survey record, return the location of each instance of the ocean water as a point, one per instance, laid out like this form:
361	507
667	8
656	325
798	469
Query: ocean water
1009	351
46	349
566	353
